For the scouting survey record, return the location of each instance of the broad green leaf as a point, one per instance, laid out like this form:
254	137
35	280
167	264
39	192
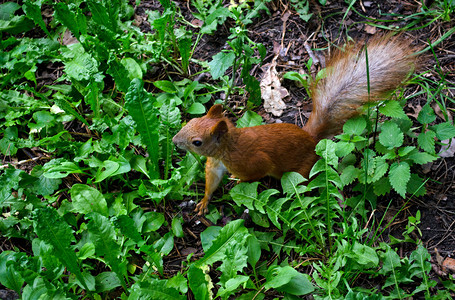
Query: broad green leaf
444	131
426	141
141	109
290	183
133	68
166	86
196	109
421	157
64	104
245	193
103	236
62	170
185	52
106	170
416	186
128	228
154	289
106	281
220	63
355	126
120	75
177	226
393	109
87	199
9	276
249	119
287	279
233	233
68	18
391	135
200	282
100	15
153	221
208	236
399	176
326	149
53	230
82	67
33	11
426	115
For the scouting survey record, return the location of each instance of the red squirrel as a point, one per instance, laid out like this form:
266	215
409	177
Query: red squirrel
271	150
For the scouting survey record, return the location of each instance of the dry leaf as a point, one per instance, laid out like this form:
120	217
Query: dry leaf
448	148
370	29
272	92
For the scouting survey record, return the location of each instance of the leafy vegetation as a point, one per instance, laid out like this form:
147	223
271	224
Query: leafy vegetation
92	174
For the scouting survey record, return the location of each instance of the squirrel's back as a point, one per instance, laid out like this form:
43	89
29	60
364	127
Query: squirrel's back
337	97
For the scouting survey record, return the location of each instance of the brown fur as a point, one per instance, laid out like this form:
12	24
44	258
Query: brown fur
271	150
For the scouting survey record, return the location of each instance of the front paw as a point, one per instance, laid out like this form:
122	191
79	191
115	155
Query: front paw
201	208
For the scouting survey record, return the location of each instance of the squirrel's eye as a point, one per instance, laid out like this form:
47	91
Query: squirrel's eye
197	143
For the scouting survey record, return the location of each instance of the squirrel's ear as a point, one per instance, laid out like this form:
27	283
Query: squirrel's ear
219	129
216	111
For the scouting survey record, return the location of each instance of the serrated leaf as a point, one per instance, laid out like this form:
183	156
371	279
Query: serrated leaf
82	67
102	234
67	18
392	109
245	193
426	141
234	232
33	11
399	176
355	126
391	135
141	108
220	63
87	199
444	131
64	104
426	115
53	230
120	75
421	157
382	186
128	228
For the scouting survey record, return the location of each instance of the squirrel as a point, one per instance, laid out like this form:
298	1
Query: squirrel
252	153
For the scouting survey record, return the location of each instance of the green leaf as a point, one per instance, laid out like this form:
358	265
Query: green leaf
220	63
87	199
426	141
177	226
233	233
355	126
166	86
382	186
141	109
33	11
393	109
421	157
106	281
291	181
120	75
245	193
82	67
426	115
399	176
103	236
154	289
9	276
249	119
100	15
128	228
200	282
67	18
287	279
196	109
64	104
185	52
53	230
62	170
133	68
444	131
391	135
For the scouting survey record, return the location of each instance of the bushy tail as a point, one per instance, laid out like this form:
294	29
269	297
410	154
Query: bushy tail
337	97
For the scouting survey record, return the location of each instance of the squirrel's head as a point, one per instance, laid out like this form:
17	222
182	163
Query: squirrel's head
203	135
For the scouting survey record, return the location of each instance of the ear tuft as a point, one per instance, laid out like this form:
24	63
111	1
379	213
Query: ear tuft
216	111
219	129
